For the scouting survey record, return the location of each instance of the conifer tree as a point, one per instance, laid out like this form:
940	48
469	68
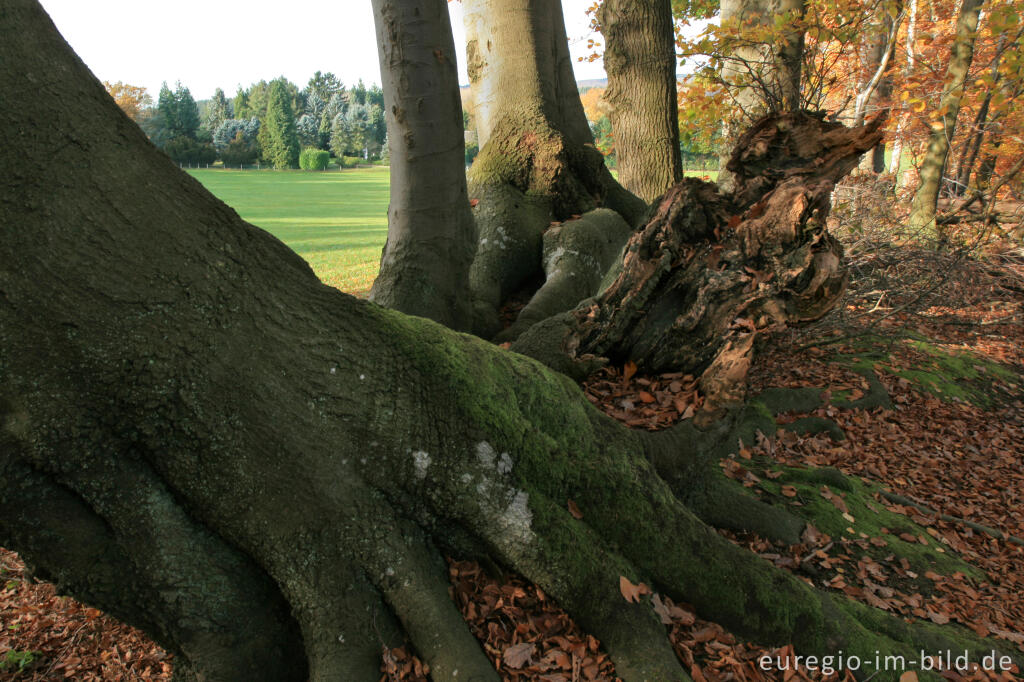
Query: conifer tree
278	137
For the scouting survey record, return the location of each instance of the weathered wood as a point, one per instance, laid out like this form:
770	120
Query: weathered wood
709	271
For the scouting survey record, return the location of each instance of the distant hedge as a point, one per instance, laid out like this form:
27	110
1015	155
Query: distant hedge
314	159
349	161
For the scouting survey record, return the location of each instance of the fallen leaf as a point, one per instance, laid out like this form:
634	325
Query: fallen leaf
518	655
631	592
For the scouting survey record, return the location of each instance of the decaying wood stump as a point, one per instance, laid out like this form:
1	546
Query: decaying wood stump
709	271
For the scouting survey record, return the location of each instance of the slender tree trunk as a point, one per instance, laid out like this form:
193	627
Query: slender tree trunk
897	144
429	220
640	57
971	148
922	210
790	53
878	89
744	73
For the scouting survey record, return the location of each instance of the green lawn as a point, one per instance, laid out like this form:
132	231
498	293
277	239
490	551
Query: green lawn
336	220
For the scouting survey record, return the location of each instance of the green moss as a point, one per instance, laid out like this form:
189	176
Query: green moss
943	373
632	522
869	519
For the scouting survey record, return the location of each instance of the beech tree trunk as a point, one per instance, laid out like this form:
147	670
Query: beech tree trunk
922	208
640	57
429	220
537	163
263	473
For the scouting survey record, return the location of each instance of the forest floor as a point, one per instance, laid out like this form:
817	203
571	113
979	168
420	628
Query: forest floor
943	336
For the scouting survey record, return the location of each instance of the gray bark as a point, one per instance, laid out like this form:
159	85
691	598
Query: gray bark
741	72
640	57
537	162
429	219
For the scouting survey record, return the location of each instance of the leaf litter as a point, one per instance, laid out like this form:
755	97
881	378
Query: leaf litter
939	451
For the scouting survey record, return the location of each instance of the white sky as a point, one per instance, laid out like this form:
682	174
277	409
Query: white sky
208	44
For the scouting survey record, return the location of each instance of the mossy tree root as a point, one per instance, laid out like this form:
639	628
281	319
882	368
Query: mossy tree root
224	432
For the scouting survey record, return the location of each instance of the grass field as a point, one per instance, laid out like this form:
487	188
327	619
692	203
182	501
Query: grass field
336	220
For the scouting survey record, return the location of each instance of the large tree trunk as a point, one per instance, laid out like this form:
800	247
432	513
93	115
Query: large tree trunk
263	472
640	57
712	270
922	209
537	162
429	220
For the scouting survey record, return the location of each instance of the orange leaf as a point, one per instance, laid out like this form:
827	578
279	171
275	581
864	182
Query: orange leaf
474	202
631	592
628	370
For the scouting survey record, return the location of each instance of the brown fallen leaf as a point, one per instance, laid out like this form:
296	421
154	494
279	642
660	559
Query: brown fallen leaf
631	592
518	655
574	510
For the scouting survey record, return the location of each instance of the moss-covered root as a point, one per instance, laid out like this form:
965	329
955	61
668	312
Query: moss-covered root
510	228
730	509
648	525
813	425
576	566
685	458
911	638
577	254
877	395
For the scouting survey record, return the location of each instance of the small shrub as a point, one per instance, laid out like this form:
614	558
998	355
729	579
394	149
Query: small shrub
188	151
349	161
314	159
18	661
239	152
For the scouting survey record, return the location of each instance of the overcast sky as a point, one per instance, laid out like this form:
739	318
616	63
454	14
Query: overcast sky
208	44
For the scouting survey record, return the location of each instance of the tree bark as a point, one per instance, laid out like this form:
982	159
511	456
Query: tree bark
537	162
922	209
263	472
640	58
971	148
429	220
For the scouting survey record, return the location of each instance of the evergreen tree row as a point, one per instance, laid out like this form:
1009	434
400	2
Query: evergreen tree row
270	122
